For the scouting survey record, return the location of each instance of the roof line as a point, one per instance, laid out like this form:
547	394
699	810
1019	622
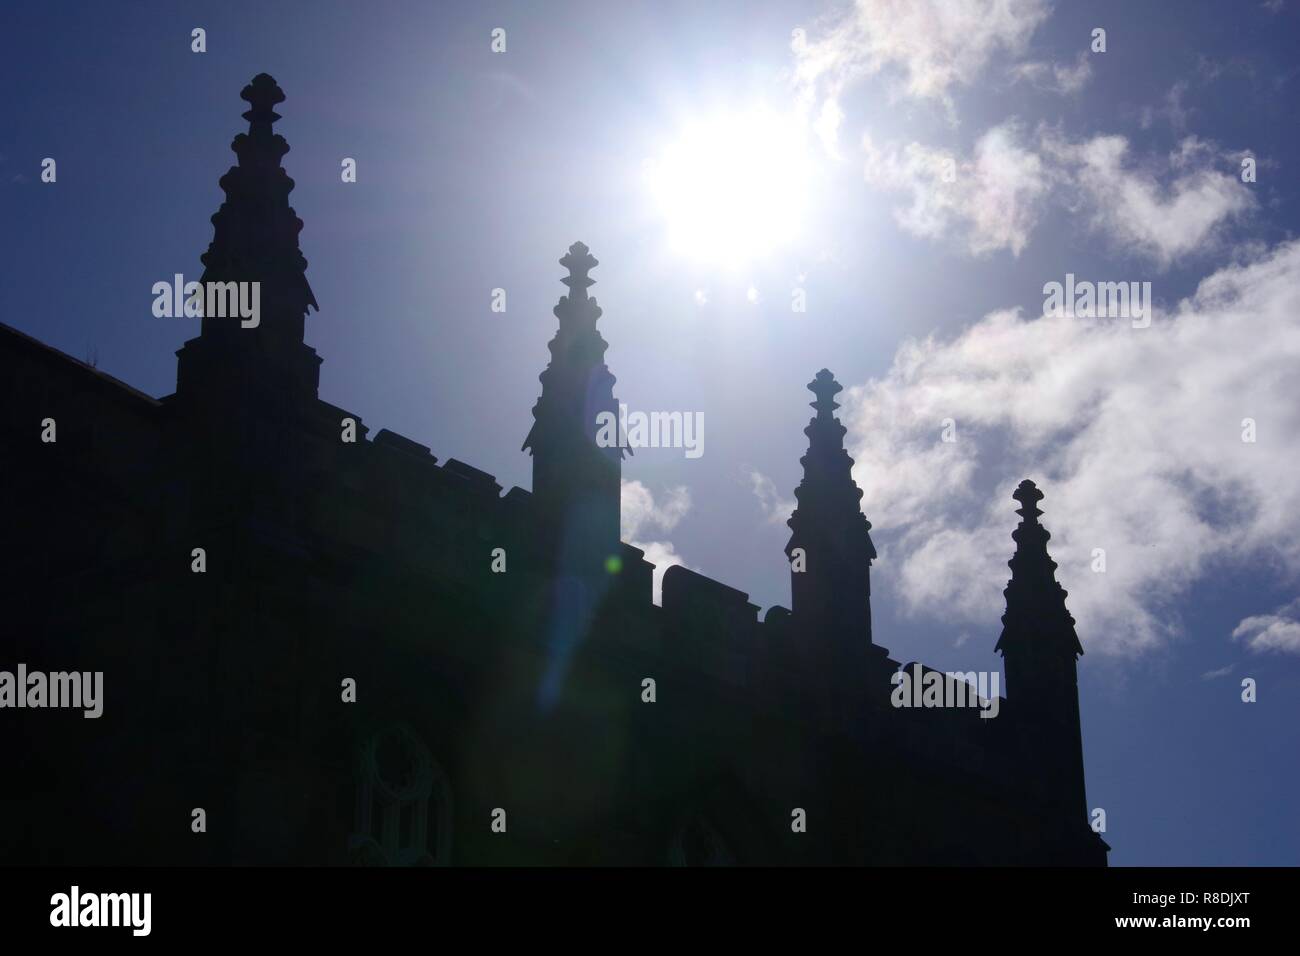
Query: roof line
112	380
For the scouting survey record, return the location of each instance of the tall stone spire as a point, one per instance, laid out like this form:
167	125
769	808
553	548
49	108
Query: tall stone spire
255	240
1036	626
830	548
576	480
1040	650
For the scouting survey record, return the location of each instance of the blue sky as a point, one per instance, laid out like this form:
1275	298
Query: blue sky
477	169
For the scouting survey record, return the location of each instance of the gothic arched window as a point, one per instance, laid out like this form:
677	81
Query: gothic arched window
403	803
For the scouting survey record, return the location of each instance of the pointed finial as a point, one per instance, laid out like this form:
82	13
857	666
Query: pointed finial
825	387
1028	495
579	261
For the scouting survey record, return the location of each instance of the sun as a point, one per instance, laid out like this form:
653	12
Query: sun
733	188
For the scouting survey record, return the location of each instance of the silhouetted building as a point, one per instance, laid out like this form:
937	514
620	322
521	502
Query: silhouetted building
242	558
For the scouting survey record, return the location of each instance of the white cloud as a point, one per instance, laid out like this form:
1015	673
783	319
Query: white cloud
1140	214
1134	435
1218	672
639	512
1279	631
776	509
827	127
663	556
931	46
1167	209
988	202
1162	212
641	516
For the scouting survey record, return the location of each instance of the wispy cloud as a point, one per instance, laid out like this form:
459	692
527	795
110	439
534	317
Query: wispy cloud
1161	208
1170	109
776	509
926	48
987	202
1164	210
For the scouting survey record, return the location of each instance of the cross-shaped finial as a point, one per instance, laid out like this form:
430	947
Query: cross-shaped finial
1028	495
825	388
579	261
262	95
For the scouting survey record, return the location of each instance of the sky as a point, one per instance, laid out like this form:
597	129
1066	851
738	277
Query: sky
913	174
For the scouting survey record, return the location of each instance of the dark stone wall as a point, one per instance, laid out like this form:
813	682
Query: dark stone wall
475	690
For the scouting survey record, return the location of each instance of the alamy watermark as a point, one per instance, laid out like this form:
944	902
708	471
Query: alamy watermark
651	430
1088	300
76	908
36	689
221	300
930	688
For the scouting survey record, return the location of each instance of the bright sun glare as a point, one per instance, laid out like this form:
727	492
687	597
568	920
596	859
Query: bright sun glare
734	188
